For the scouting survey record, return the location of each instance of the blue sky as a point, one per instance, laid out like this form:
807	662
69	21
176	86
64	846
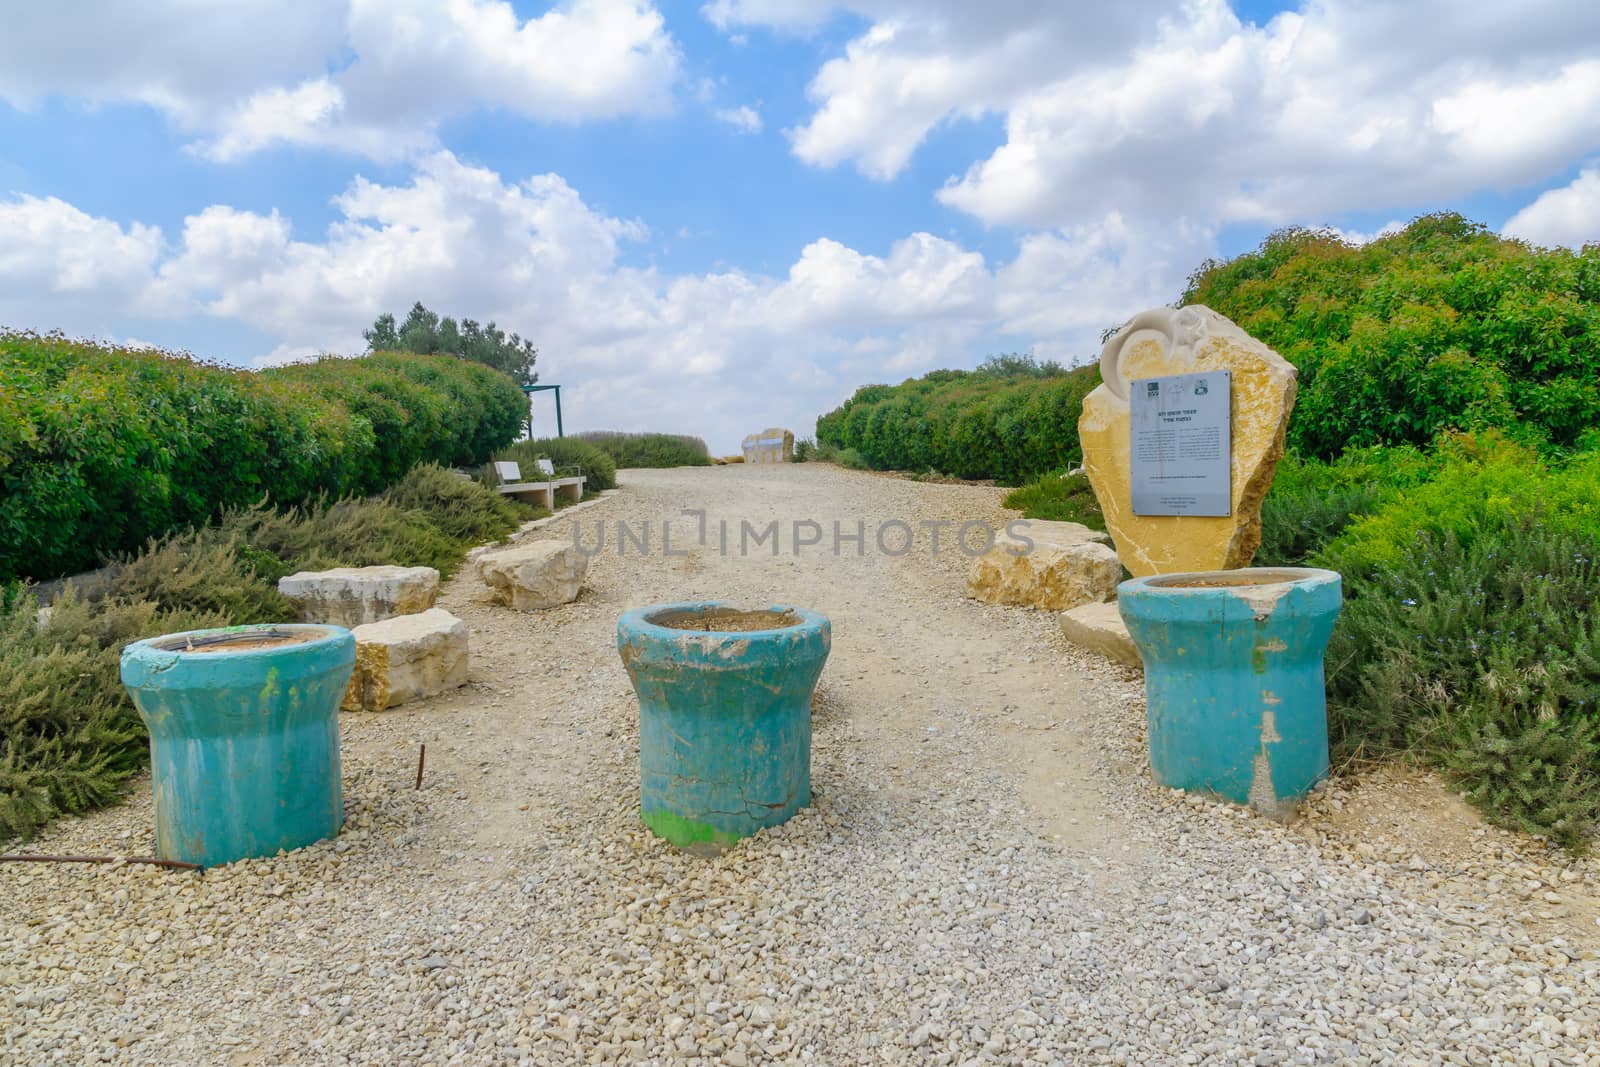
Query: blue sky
756	204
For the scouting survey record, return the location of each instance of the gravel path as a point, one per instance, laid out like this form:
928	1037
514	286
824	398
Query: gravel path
986	875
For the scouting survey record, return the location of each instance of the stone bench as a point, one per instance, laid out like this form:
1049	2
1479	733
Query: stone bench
406	658
533	575
539	493
355	596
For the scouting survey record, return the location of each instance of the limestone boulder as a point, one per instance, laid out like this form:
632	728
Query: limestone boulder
1100	629
355	596
772	445
1050	565
1187	341
406	658
533	575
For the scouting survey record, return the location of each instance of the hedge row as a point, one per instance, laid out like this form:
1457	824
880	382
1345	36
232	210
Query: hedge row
102	448
1008	420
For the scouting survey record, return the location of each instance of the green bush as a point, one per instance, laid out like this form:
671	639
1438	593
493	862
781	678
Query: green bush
1442	326
463	510
1482	484
1059	498
598	466
1011	419
805	449
102	448
1311	503
649	449
1469	634
1481	652
69	737
213	570
849	457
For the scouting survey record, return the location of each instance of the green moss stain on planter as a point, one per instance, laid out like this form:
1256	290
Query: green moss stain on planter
686	833
1234	689
724	720
244	737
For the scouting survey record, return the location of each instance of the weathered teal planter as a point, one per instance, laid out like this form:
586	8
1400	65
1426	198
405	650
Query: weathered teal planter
724	716
1234	690
244	737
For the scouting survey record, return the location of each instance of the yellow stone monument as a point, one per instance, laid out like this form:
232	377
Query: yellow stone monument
1162	342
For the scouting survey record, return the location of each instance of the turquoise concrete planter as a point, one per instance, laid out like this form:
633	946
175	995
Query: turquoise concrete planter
244	737
1233	679
724	716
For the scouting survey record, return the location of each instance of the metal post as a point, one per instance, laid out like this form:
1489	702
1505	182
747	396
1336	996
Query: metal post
530	390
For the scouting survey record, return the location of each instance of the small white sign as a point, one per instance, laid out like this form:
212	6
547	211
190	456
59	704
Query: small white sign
546	466
1181	447
509	473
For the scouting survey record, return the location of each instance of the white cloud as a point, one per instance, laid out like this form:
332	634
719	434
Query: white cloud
1274	125
1567	216
1066	286
1181	111
921	65
313	114
184	58
783	14
634	348
743	118
371	77
58	262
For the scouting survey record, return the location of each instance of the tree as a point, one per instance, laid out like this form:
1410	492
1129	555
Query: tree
383	337
424	332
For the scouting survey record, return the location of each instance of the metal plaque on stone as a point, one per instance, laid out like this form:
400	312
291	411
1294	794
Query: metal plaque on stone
1181	448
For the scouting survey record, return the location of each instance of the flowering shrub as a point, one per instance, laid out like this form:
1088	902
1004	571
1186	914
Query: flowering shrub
1444	325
